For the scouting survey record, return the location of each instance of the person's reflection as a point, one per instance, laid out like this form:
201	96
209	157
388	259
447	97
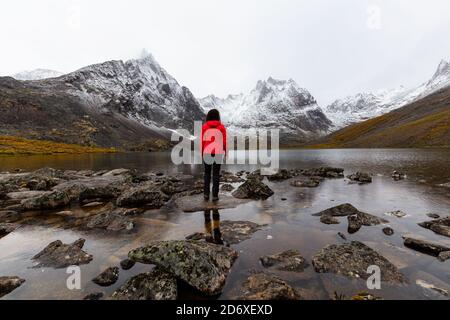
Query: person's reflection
212	228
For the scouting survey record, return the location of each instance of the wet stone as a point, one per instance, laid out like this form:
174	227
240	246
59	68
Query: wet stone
440	226
203	265
262	286
107	277
7	228
430	248
352	260
253	189
154	285
94	296
361	177
9	284
311	183
127	264
388	231
9	216
290	260
60	255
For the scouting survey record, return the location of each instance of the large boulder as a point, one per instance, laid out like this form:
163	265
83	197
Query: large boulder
290	260
148	195
8	284
253	189
352	260
60	255
203	265
440	226
262	286
154	285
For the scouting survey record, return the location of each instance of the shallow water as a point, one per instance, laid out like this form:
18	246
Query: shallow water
290	224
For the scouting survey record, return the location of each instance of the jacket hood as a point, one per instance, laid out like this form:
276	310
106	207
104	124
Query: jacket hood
213	123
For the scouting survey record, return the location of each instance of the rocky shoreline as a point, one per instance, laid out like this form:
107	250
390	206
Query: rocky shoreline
114	199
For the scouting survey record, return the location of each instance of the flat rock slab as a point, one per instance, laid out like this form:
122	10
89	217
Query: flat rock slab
196	203
290	260
107	277
21	195
154	285
233	232
60	255
426	247
8	284
439	226
262	286
203	265
352	260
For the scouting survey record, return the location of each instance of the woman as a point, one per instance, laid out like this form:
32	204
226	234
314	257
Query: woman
214	150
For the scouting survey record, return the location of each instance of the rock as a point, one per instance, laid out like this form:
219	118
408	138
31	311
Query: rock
227	188
154	285
352	260
8	284
7	228
10	216
360	177
110	221
432	287
47	201
426	247
107	277
93	204
338	211
229	177
398	175
148	195
325	172
170	188
444	256
388	231
342	236
127	264
327	219
440	226
281	175
60	255
305	184
253	189
203	265
397	213
21	195
233	232
116	172
433	215
94	296
261	286
255	175
290	260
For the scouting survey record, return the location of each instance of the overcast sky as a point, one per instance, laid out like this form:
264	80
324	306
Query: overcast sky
333	48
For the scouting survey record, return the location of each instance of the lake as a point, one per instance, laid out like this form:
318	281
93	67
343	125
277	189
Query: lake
290	224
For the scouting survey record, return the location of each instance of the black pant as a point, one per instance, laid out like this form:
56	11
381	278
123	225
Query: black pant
215	168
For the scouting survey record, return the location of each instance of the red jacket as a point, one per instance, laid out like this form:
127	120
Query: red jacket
209	138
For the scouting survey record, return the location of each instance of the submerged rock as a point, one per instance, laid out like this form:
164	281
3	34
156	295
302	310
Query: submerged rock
352	260
8	284
397	213
327	219
426	247
232	232
360	177
154	285
253	189
440	226
388	231
325	172
398	175
290	260
433	215
262	286
9	216
94	296
203	265
107	277
311	183
444	256
432	287
60	255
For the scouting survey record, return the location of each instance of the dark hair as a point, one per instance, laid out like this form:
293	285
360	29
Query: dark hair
213	115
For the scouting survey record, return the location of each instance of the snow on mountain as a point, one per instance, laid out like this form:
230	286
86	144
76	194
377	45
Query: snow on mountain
140	89
37	74
363	106
271	104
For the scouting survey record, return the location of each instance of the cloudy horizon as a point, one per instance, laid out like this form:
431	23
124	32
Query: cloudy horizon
331	48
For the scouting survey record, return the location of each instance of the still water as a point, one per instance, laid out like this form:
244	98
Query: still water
290	224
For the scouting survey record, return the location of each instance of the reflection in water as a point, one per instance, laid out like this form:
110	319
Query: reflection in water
212	228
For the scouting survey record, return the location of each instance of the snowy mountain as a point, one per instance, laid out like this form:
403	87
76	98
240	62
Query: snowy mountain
272	104
364	106
37	74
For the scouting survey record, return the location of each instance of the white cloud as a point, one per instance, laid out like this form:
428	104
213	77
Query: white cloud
225	46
